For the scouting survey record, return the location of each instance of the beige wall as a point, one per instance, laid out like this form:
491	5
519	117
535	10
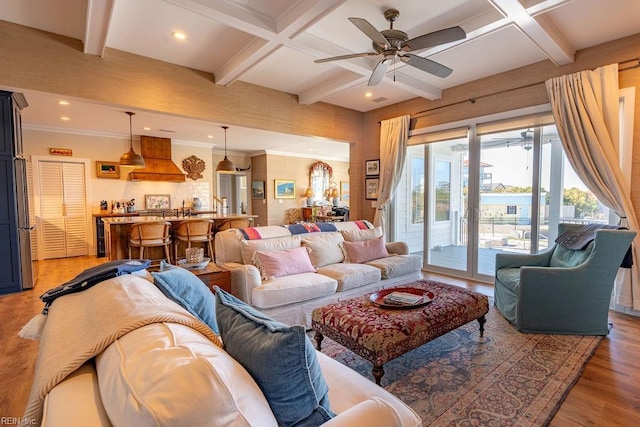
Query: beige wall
37	60
297	169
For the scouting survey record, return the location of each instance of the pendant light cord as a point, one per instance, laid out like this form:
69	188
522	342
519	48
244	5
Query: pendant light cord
225	140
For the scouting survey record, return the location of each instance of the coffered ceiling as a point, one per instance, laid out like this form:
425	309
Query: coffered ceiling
274	43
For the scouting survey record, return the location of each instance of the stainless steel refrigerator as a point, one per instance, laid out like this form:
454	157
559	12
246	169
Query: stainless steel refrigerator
26	231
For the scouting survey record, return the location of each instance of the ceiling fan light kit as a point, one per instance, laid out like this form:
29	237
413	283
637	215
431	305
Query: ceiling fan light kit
394	44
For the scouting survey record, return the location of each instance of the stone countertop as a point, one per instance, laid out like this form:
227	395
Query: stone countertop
133	219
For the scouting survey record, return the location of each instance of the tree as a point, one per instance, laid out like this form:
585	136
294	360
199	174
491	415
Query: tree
584	202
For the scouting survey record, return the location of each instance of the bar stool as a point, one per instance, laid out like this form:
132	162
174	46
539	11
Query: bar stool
194	231
149	235
235	223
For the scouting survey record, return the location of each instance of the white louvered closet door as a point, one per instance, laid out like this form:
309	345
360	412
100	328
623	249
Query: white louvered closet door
63	209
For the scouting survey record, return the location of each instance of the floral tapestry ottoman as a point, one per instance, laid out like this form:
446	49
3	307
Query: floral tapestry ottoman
381	334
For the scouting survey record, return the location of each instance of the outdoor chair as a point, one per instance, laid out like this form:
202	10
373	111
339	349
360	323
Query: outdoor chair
562	291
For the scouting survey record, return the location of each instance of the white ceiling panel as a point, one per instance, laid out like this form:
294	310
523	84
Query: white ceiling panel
586	23
290	71
208	45
64	17
485	56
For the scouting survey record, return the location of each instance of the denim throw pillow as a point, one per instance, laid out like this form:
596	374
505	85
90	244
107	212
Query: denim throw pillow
280	358
184	288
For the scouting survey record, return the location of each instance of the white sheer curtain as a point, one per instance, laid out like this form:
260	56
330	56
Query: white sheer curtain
585	108
394	134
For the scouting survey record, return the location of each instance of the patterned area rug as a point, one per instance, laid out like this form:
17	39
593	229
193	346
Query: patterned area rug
503	379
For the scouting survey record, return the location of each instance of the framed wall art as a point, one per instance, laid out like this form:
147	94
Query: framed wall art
107	170
285	189
257	190
371	188
372	167
344	190
157	201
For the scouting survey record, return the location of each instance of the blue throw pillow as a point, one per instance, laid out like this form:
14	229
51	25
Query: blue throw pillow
280	358
184	287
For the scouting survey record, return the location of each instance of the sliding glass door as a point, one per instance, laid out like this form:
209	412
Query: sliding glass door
463	200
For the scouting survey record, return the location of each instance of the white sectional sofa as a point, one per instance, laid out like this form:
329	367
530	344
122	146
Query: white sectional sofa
136	358
344	259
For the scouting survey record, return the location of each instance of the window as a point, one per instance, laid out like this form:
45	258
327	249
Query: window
417	189
511	210
443	190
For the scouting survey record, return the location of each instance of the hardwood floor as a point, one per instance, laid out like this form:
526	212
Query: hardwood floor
608	393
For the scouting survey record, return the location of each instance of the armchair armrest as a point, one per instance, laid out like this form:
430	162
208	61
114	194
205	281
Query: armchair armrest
243	279
398	248
513	260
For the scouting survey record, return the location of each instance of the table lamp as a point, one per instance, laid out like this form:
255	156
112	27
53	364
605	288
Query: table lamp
308	193
335	196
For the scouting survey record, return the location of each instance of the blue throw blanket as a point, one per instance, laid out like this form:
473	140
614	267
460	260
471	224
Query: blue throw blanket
311	227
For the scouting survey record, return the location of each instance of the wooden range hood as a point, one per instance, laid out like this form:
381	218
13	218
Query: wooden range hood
157	157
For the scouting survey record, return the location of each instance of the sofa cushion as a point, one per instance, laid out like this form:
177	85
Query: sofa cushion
397	265
280	358
184	288
363	251
168	374
292	289
361	235
351	276
272	264
324	248
510	277
563	257
275	244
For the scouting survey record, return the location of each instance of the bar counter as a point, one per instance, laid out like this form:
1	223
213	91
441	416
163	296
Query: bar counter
116	231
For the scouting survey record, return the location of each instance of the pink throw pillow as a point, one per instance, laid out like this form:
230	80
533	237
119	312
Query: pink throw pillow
366	250
274	264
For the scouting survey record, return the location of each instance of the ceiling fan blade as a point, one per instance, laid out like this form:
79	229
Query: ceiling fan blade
435	38
351	55
379	72
427	65
370	31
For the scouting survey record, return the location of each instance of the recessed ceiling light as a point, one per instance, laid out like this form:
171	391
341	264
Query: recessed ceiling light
63	103
179	35
65	118
147	128
210	136
368	94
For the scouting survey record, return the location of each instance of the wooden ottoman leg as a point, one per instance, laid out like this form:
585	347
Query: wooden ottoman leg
482	320
318	337
378	372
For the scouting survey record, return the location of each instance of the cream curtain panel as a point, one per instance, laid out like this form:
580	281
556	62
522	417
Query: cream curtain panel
585	108
394	134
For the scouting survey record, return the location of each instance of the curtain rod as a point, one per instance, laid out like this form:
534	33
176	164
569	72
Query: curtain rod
473	100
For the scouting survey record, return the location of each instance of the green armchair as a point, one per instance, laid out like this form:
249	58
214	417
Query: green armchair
561	291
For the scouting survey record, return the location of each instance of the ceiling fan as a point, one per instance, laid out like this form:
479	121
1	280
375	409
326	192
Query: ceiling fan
392	44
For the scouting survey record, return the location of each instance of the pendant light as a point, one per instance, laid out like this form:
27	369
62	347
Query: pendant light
131	158
225	165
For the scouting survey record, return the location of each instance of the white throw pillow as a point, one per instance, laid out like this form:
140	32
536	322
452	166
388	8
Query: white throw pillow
325	248
361	235
275	244
168	374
